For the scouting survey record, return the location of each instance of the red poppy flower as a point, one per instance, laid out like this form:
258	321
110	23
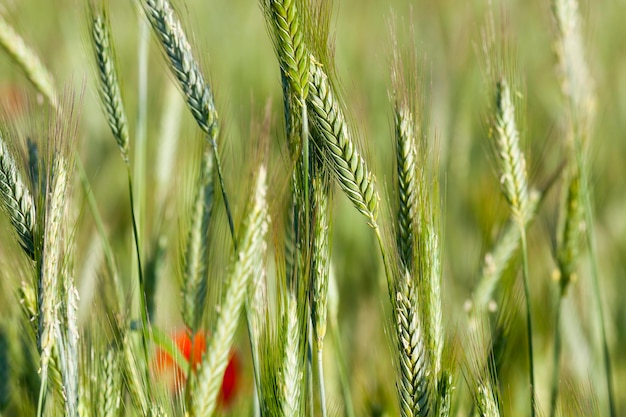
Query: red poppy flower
166	369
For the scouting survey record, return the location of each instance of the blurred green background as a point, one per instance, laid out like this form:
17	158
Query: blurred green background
231	40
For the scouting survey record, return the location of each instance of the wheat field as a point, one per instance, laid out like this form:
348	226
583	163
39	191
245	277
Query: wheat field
312	208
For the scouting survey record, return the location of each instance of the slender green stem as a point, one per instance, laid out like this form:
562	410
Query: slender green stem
108	251
383	254
42	396
596	288
190	375
220	177
145	331
139	168
309	368
343	374
529	329
556	357
320	378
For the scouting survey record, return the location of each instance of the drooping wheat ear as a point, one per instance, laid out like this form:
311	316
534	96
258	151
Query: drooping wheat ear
406	167
5	371
320	268
109	398
109	87
568	247
284	19
509	157
413	379
28	60
195	274
17	200
51	257
486	402
248	261
352	172
499	257
576	80
186	69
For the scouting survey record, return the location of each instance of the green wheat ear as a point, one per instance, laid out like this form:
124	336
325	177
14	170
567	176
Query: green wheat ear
195	277
182	63
335	139
247	262
510	159
16	200
108	86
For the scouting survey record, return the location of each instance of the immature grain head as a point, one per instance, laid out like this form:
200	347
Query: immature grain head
248	261
509	156
413	380
320	268
16	200
486	401
182	63
109	87
350	168
284	20
195	275
407	173
49	293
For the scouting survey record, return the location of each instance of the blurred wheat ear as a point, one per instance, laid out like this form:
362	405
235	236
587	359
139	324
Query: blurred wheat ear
247	261
195	275
29	61
16	200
